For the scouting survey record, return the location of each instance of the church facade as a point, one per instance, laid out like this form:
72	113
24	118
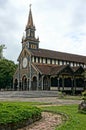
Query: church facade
42	69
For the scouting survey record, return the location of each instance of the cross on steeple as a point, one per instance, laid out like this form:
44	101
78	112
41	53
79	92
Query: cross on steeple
30	5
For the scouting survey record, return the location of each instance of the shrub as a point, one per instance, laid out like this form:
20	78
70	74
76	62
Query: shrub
15	113
82	105
84	95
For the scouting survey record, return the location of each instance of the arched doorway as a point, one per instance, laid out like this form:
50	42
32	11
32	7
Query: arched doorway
79	82
67	82
46	83
24	83
34	83
15	84
54	82
60	82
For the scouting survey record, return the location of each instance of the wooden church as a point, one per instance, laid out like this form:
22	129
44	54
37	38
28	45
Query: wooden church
42	69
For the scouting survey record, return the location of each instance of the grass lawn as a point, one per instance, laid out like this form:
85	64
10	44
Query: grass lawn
70	97
76	120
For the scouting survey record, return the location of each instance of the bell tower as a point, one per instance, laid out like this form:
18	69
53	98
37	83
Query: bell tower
30	40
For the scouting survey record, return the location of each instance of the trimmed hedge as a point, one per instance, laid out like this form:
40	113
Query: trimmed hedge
16	115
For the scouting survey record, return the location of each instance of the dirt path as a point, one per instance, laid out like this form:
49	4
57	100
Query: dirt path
48	122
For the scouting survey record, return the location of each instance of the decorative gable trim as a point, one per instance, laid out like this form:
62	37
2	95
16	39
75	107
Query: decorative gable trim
25	49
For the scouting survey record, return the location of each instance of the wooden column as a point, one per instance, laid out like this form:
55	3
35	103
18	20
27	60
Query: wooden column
37	81
62	82
42	82
49	83
75	83
72	86
58	84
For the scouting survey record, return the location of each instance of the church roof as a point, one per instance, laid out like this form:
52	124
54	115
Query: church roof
58	55
49	69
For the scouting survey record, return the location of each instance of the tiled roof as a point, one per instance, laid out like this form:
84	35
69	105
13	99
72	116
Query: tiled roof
75	68
58	55
57	69
78	69
44	68
48	69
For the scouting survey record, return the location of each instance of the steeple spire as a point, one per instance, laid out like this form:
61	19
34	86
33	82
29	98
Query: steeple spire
30	20
30	40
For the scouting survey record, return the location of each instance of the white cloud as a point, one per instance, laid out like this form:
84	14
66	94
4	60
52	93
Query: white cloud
60	24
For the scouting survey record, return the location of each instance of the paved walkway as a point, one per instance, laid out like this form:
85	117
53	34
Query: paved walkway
50	97
48	122
49	100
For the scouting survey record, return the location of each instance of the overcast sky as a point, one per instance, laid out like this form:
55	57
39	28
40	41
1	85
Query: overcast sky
60	25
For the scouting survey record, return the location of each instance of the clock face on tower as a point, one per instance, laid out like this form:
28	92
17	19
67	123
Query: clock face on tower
25	62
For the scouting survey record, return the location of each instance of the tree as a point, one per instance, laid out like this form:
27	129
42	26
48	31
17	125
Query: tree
2	46
7	69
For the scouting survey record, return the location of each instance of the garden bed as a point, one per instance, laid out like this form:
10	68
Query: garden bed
14	116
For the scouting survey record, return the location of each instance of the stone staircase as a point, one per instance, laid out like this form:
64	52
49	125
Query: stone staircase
28	94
